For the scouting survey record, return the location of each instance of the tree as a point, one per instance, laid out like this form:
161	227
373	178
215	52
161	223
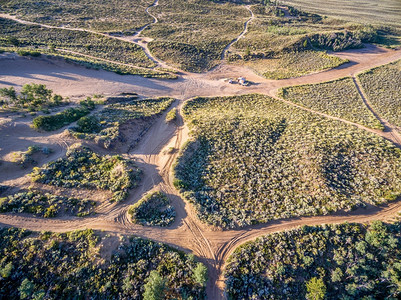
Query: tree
88	124
316	289
154	287
200	274
35	94
26	289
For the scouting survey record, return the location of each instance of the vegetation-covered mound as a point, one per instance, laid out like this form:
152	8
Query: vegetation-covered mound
153	210
347	261
338	98
106	126
56	266
254	159
83	168
383	88
45	205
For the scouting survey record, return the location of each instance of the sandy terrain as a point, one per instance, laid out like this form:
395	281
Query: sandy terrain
187	233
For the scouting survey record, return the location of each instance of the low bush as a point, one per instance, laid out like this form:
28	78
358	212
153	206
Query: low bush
153	210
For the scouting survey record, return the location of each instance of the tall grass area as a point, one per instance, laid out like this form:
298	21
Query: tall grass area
383	88
253	159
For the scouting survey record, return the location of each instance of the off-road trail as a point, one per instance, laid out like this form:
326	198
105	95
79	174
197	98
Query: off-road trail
223	54
159	148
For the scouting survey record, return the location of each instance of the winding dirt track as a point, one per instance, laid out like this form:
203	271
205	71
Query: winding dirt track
187	233
223	54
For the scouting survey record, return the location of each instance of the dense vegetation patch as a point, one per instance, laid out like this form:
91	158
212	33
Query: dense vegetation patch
153	209
253	159
339	98
383	88
61	119
33	97
100	46
45	205
192	34
56	266
83	168
111	16
293	64
106	127
347	261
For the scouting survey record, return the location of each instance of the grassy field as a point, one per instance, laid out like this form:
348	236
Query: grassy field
383	88
346	261
50	265
338	98
106	16
386	12
253	159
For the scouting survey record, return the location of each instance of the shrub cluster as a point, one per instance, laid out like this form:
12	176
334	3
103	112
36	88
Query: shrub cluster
33	97
153	210
346	261
56	266
338	98
253	159
45	205
83	168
